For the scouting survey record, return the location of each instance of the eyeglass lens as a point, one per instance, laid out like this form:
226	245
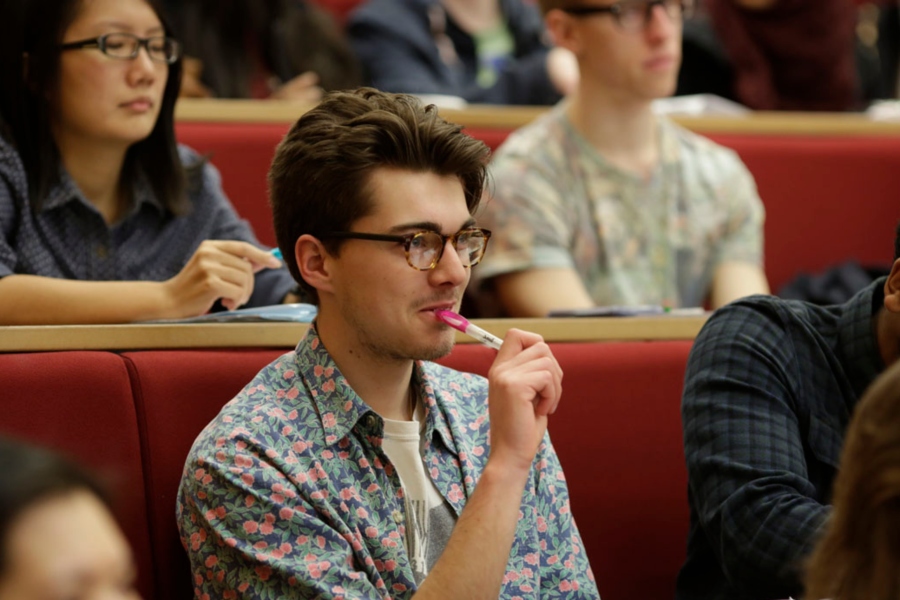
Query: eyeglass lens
125	45
427	247
636	15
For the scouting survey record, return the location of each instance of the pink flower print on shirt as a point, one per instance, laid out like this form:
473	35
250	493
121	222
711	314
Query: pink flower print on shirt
305	478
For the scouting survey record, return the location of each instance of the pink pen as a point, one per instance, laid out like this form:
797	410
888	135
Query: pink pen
462	324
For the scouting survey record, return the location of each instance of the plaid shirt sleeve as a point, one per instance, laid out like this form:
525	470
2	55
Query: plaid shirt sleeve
744	444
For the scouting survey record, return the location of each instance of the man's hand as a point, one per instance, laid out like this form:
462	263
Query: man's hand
217	270
525	387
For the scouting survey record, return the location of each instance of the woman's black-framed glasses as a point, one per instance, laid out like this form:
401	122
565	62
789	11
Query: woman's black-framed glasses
634	15
126	45
424	249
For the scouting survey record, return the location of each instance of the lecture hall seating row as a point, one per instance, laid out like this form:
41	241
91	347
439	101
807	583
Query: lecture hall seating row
134	415
829	182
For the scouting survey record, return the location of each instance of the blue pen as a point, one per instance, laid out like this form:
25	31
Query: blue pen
276	252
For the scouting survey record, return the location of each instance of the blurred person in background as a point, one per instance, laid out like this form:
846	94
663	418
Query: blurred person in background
800	55
98	204
279	49
483	51
58	539
601	202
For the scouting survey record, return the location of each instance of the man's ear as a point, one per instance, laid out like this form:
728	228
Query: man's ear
313	263
561	27
892	289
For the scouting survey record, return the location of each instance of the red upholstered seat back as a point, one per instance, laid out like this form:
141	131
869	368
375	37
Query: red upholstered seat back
79	404
827	199
243	154
618	436
136	415
339	9
177	393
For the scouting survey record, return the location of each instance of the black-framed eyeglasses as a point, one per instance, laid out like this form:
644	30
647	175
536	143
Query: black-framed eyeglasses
634	15
126	45
424	249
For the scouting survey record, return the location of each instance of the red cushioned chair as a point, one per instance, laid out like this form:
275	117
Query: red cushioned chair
618	436
827	199
177	392
79	404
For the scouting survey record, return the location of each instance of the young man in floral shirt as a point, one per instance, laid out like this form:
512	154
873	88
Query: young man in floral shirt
353	467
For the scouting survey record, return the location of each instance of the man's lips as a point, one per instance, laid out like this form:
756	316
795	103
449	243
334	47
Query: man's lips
659	62
447	305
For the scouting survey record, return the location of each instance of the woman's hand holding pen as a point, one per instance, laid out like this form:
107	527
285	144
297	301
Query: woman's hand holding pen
217	270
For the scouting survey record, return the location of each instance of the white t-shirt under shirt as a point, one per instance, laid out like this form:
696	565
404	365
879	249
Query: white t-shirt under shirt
429	518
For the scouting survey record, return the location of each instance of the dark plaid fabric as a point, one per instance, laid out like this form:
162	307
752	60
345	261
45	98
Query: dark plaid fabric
769	389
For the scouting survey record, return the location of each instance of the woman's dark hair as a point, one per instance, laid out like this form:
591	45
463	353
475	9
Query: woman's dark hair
29	475
289	37
897	243
30	34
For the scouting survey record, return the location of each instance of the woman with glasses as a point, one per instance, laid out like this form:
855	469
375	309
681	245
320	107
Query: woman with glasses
103	218
484	51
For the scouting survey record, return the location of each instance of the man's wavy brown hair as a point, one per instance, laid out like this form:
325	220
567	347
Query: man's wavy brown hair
319	179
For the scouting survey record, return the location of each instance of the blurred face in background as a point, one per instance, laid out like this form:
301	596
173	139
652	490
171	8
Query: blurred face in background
632	57
100	98
67	547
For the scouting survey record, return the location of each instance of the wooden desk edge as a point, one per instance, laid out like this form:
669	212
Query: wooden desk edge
286	335
513	117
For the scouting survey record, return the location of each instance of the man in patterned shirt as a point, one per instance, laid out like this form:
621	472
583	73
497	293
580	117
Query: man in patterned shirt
769	389
599	201
354	467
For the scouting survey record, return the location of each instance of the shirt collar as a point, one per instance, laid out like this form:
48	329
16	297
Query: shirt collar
857	337
340	408
66	190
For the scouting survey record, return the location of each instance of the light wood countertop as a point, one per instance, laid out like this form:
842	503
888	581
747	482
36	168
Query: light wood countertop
511	117
286	335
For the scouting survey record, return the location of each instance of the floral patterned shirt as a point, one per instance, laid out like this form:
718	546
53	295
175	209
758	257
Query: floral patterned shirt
287	493
558	203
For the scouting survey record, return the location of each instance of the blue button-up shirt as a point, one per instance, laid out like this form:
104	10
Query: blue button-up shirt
69	239
288	493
